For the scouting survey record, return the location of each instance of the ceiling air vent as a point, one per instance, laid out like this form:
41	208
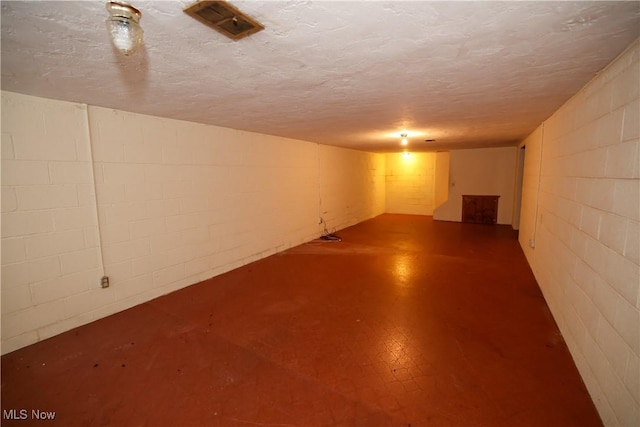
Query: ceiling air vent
224	17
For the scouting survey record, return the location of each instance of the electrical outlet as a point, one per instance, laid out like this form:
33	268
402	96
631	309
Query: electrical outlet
532	243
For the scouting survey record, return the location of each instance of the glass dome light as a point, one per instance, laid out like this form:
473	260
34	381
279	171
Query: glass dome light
124	28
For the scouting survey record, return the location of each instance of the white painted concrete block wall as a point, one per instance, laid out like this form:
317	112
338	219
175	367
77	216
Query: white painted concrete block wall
351	186
51	264
410	183
182	202
177	203
586	232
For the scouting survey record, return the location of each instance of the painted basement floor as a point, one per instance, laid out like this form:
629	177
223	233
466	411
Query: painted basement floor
406	322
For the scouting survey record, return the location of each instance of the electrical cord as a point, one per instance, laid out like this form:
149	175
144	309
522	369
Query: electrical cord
329	236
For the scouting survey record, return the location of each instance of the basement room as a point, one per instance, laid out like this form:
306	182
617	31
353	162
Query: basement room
320	213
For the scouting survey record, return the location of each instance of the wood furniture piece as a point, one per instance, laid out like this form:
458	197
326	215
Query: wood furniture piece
480	209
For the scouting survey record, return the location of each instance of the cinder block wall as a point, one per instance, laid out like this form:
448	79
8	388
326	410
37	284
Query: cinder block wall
410	183
175	202
581	207
50	244
352	186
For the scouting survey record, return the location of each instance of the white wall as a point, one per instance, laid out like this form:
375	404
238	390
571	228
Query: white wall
581	206
50	250
410	183
485	171
177	203
352	186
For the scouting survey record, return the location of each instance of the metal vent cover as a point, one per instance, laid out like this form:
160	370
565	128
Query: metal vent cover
224	18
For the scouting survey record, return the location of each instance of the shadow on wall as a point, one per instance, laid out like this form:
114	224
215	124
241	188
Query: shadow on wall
441	181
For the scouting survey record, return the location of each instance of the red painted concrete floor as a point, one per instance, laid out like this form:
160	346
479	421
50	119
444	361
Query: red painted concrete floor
406	322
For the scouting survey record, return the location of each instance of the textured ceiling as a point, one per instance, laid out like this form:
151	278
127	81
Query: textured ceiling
353	74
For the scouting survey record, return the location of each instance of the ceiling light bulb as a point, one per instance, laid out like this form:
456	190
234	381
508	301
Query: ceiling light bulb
123	27
404	140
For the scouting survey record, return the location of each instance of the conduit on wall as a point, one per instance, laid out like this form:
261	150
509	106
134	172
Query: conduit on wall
87	129
532	239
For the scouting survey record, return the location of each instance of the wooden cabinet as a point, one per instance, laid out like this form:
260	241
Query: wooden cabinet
480	209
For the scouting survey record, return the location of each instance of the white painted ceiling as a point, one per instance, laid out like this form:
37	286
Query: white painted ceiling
353	74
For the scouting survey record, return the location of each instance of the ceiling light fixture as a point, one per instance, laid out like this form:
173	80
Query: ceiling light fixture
404	140
124	28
